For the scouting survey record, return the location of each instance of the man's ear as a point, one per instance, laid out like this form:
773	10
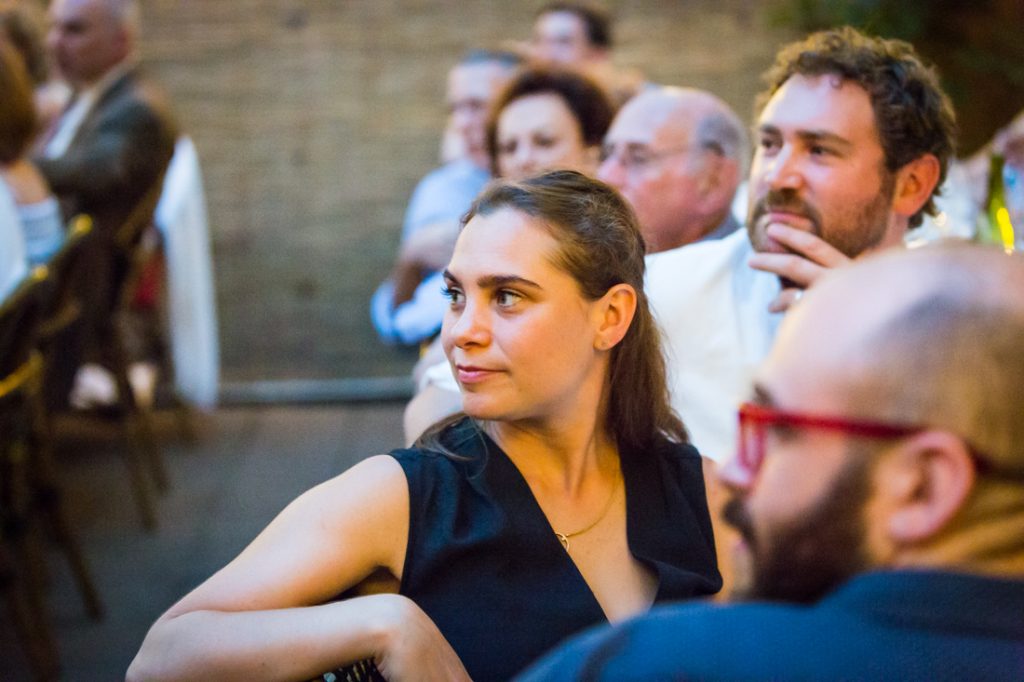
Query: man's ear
614	312
915	182
926	485
719	177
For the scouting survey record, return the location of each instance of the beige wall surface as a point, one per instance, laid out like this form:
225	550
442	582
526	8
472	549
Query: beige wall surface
315	118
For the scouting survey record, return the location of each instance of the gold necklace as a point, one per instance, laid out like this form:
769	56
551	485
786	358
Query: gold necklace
564	537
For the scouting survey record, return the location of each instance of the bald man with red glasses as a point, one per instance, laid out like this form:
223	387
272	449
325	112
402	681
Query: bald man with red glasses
878	489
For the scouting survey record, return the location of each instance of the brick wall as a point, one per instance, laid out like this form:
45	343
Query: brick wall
315	118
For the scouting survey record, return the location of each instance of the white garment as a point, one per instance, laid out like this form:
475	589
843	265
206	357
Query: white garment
182	219
13	258
713	311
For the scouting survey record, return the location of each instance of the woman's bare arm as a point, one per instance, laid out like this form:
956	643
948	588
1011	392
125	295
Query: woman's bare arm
263	615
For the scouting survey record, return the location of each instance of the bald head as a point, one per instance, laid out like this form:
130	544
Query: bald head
88	38
677	155
930	336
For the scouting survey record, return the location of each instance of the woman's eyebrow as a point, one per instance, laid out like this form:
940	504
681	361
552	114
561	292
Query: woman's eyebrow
496	281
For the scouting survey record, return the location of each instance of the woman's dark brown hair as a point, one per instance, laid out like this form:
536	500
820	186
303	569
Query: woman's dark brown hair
17	108
587	102
599	245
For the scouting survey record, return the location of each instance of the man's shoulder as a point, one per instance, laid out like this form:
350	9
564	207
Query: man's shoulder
697	274
701	257
697	640
456	175
886	625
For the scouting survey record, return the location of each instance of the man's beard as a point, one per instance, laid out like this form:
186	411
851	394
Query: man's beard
853	232
803	560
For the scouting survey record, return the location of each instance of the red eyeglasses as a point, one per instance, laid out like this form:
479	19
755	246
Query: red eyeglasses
755	420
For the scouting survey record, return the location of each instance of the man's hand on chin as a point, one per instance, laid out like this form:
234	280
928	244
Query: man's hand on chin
810	258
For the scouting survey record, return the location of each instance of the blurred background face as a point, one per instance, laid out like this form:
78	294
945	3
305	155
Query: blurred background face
538	133
471	88
648	158
561	38
85	40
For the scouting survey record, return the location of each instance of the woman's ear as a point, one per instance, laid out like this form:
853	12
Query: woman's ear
613	314
928	485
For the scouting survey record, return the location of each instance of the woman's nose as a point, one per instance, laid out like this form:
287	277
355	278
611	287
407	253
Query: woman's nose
470	326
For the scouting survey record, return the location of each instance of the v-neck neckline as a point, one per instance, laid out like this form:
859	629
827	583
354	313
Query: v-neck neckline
522	498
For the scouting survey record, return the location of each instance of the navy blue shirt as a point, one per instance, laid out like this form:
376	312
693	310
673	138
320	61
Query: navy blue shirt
887	625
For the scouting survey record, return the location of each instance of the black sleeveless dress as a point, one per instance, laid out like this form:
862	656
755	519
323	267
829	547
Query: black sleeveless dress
484	563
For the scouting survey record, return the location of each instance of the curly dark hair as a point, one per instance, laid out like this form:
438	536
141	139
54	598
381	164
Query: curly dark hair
588	102
912	113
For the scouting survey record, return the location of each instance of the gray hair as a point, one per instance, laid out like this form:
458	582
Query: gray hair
723	132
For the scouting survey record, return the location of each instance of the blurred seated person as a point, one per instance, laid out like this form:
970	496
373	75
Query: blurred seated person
547	119
106	157
578	35
38	213
408	306
878	488
565	496
544	119
677	155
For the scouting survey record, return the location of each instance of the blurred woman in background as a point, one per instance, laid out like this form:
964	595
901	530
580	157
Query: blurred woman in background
38	212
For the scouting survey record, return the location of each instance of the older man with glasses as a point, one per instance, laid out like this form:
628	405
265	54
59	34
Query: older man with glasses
677	155
878	489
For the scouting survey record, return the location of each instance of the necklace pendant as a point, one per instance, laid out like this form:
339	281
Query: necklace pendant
564	540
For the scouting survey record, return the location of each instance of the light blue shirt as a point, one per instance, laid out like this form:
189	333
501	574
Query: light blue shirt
444	194
43	227
13	259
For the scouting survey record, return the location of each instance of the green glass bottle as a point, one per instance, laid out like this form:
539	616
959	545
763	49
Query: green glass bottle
994	224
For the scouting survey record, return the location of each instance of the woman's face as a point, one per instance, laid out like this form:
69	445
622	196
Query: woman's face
519	335
538	133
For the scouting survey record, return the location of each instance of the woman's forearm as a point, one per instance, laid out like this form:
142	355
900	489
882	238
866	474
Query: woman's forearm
282	644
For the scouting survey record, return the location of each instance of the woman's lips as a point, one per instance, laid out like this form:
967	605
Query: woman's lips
471	374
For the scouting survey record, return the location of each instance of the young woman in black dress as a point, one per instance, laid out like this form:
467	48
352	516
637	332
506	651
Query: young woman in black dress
566	495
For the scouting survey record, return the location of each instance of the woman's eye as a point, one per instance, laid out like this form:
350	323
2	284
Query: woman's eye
452	294
818	150
507	299
545	142
507	148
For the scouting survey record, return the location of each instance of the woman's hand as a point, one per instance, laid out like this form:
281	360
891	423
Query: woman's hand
412	648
